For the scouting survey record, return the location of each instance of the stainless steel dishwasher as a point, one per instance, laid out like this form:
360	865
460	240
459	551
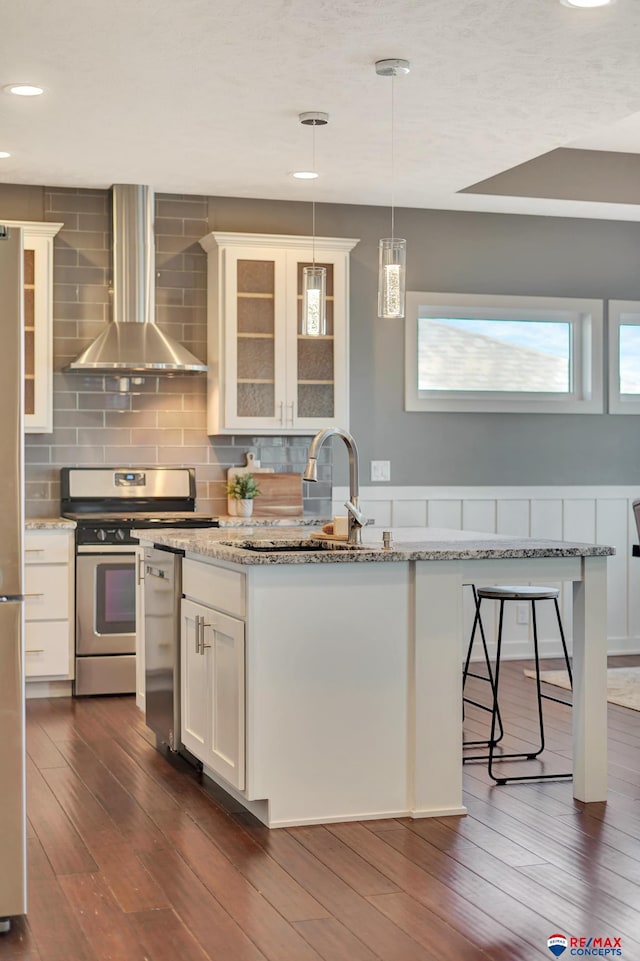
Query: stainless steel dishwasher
162	593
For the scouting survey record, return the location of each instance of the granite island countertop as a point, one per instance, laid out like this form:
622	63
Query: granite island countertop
260	546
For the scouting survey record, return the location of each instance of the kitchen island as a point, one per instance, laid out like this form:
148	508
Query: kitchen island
346	664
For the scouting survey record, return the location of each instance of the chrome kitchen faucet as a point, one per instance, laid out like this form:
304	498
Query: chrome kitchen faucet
355	518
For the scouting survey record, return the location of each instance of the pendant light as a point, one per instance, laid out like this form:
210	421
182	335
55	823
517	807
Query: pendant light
392	252
314	279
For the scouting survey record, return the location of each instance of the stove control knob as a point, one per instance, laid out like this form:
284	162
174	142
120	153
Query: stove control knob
120	535
101	535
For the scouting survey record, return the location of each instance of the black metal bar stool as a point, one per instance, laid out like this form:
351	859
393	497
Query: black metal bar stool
532	594
477	624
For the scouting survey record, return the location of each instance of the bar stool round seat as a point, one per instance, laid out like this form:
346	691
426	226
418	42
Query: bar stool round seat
521	593
504	594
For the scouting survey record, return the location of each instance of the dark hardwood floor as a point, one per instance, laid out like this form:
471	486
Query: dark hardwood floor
130	857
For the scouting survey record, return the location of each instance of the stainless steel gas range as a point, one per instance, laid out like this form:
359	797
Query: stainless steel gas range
107	503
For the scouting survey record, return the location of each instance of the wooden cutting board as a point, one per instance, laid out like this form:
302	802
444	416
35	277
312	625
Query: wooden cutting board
280	495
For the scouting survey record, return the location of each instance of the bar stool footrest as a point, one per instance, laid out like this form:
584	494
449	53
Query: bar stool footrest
530	777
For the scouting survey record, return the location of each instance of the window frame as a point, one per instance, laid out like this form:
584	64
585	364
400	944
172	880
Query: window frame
620	312
586	357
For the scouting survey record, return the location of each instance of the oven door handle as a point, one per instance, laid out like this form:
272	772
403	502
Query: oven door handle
104	550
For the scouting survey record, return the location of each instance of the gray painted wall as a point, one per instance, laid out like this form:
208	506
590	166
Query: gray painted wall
467	253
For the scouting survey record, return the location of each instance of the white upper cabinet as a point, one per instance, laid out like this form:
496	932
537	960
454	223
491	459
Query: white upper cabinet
38	323
264	375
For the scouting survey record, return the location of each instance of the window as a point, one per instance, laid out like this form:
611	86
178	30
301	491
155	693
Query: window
514	354
624	357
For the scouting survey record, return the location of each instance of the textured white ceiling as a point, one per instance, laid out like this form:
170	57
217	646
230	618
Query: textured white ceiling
202	97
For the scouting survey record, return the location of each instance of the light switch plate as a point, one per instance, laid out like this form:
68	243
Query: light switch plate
380	470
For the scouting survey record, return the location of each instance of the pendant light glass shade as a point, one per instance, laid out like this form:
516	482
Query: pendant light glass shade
392	258
314	279
314	301
392	253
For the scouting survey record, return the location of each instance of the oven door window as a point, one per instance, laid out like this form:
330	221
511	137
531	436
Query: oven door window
115	598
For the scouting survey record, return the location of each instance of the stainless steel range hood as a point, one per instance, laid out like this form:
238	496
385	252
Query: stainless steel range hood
132	343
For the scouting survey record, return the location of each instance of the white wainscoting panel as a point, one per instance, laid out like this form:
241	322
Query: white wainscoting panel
589	514
442	513
410	514
479	515
514	517
612	528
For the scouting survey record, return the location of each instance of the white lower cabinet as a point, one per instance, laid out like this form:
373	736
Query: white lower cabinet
213	693
49	604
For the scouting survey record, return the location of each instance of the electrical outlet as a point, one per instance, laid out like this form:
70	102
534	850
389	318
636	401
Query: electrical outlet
522	614
380	470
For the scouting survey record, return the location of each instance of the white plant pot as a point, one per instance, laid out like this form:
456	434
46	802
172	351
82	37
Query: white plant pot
245	508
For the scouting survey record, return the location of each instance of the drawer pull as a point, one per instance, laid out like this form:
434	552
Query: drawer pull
34	650
35	595
201	644
34	550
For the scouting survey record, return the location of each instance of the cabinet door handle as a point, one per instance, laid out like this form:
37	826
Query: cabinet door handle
140	569
34	650
281	413
34	550
35	595
198	618
290	404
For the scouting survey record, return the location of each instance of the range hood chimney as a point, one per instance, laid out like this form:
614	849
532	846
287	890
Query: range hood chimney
132	343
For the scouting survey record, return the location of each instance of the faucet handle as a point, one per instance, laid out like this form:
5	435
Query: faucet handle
358	515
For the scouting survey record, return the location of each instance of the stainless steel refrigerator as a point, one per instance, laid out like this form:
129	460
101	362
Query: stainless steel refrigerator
13	871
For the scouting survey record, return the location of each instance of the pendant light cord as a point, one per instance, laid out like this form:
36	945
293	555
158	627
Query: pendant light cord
393	171
313	198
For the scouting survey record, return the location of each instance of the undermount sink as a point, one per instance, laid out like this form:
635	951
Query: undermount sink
291	546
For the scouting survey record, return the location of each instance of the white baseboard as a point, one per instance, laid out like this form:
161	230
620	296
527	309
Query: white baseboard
35	689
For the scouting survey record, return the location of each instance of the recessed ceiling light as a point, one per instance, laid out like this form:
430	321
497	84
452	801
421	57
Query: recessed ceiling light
4	154
586	3
305	175
24	89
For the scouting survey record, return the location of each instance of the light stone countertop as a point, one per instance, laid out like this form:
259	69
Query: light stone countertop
226	520
49	523
407	544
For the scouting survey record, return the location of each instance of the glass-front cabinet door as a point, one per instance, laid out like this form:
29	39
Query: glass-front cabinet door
254	356
265	375
37	245
318	389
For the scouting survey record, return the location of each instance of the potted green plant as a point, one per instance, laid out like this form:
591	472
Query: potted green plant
243	489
